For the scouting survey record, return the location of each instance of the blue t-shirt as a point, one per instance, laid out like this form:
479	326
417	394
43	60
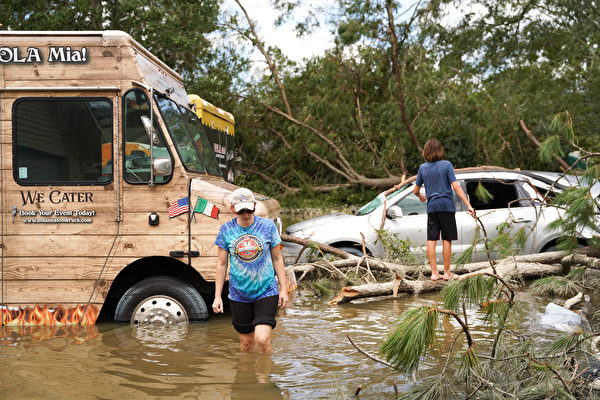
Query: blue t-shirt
251	272
437	177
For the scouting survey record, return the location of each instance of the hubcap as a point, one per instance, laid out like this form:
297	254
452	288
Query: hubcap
159	310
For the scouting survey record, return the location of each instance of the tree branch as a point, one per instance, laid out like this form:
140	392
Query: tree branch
397	73
563	165
258	43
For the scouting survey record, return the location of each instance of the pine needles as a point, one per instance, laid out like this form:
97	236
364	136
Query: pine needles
412	338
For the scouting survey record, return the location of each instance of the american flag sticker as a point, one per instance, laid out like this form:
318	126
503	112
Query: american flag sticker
179	207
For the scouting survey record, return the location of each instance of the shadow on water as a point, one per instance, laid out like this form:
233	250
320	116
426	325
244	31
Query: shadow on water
313	358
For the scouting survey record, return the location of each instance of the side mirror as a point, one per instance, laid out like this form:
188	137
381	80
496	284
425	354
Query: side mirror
162	166
149	129
394	212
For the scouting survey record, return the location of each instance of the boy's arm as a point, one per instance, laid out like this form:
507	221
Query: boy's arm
463	197
417	192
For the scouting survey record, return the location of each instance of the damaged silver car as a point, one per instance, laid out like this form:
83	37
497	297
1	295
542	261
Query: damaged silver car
515	201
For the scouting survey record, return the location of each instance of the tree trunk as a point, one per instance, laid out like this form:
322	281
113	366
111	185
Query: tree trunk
504	270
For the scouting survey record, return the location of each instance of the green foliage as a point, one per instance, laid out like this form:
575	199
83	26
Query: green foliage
483	194
556	285
469	363
465	257
471	291
564	286
396	249
322	287
431	388
569	343
411	339
496	311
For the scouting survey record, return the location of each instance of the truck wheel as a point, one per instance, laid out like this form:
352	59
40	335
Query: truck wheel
161	300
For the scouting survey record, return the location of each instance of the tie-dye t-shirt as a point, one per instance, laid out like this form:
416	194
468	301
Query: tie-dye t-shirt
251	273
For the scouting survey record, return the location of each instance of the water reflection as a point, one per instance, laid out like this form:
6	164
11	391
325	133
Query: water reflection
116	362
313	358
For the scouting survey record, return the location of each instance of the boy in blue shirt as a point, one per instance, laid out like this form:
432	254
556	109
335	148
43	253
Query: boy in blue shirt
437	175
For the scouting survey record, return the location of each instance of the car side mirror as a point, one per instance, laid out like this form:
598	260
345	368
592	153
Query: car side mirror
394	212
162	166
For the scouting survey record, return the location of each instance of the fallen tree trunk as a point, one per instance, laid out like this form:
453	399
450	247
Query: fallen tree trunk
504	270
325	248
352	261
580	259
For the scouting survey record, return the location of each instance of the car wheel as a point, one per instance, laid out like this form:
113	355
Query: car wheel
553	247
161	300
550	248
352	250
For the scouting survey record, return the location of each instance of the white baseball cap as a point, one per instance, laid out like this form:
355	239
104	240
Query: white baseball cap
242	198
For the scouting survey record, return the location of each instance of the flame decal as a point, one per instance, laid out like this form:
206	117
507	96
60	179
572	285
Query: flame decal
45	316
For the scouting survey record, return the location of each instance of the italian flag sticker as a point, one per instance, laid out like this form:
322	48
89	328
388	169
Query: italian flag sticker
205	207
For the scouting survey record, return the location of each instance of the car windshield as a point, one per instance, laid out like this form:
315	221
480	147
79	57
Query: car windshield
377	201
192	145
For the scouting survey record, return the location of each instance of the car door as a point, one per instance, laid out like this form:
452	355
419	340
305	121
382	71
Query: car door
412	224
505	202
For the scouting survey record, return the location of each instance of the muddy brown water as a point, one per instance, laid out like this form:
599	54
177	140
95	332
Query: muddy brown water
313	359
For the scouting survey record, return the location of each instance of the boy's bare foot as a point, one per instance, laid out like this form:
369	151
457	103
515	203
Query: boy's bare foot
435	277
448	277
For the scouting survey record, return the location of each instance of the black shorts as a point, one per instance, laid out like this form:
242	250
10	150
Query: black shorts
443	222
247	315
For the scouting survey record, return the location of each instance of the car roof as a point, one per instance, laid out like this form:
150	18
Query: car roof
557	180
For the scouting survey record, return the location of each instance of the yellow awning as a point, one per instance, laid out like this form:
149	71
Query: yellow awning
212	116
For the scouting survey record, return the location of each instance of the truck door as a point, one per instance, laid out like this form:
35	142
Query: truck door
59	203
154	214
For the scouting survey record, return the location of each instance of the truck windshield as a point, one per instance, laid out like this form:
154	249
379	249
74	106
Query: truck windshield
189	138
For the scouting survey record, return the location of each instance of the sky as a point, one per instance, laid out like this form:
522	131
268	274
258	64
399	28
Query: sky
284	36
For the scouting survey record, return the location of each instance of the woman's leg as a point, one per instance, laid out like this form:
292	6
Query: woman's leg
246	342
262	338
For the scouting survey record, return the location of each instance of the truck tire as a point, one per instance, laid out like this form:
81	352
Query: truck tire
161	300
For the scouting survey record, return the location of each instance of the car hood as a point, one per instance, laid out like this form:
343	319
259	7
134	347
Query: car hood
325	219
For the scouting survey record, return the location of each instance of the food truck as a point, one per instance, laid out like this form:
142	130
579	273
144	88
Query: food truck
219	126
110	193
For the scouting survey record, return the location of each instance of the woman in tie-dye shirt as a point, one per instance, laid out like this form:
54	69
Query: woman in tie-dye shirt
252	245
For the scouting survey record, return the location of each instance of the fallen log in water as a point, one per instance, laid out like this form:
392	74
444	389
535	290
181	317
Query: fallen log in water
420	270
504	269
528	266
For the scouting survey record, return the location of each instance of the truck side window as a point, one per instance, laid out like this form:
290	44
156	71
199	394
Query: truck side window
63	140
192	145
136	144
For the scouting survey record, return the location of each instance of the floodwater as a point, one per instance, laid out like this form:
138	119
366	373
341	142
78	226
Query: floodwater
313	358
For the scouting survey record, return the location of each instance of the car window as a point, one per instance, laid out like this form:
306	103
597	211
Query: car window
485	195
376	202
411	205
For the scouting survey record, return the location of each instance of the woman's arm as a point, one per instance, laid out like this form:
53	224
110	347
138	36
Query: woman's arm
281	277
463	197
220	281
